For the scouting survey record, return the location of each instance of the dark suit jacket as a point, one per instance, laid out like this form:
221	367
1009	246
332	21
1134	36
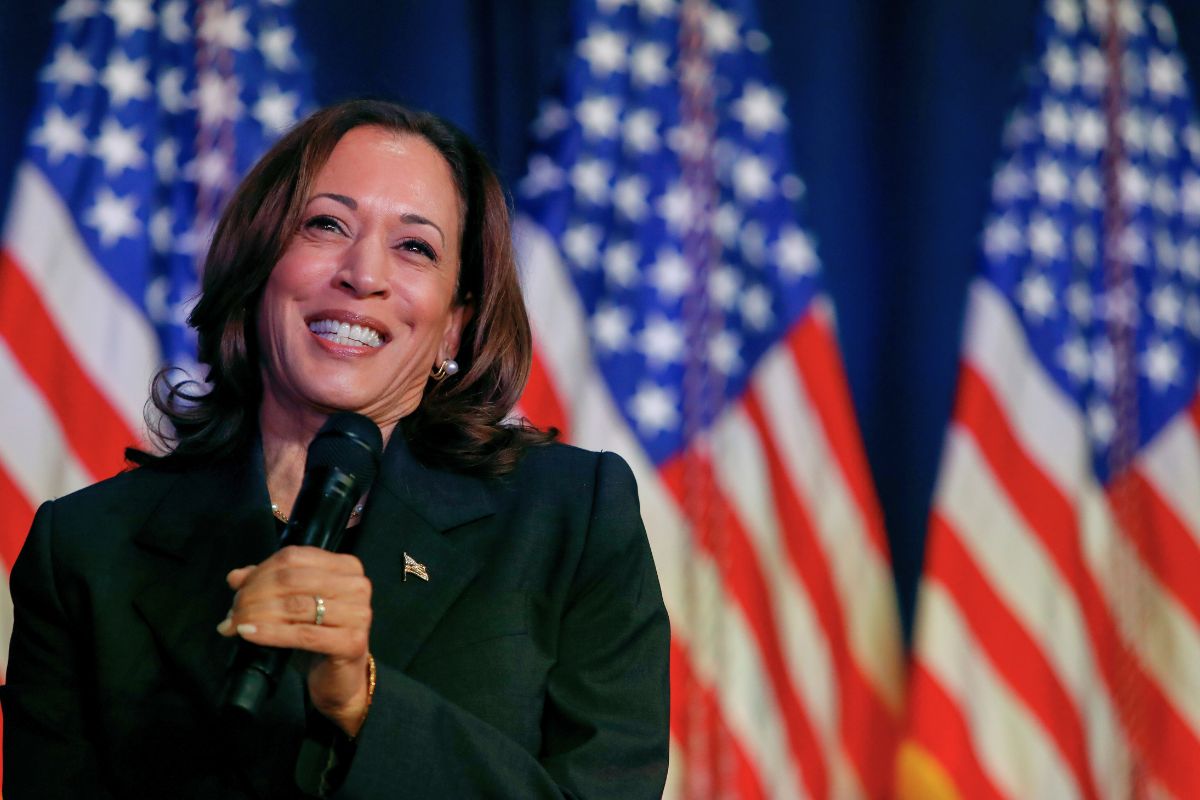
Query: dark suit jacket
533	663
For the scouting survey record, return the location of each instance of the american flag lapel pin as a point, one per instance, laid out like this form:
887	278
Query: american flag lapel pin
414	567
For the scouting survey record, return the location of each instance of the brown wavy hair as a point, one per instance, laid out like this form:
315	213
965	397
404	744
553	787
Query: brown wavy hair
460	422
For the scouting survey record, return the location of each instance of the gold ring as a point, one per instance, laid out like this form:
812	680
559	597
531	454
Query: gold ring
319	617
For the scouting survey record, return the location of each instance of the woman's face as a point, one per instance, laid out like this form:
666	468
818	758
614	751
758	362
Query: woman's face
361	304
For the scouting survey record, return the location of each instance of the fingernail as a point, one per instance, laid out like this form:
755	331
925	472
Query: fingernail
245	629
225	627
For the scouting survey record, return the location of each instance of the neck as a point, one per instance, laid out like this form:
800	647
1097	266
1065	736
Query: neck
286	434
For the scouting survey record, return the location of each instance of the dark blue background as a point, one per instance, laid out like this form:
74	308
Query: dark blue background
896	108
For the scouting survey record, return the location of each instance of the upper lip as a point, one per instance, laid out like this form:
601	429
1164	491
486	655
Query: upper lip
351	318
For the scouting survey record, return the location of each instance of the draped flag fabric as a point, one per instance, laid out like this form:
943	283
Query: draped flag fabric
679	321
1057	647
147	115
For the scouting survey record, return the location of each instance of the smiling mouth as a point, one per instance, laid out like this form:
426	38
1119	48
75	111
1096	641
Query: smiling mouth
345	334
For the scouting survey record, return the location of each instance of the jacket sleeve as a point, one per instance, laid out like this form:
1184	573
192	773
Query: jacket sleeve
47	750
606	710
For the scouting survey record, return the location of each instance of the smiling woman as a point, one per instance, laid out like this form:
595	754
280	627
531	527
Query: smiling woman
363	265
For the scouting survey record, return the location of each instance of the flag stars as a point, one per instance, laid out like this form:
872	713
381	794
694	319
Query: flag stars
125	79
755	308
760	110
604	50
661	341
1162	138
1161	365
653	409
542	175
1133	131
621	264
60	135
725	352
130	16
1045	239
1066	15
1088	191
629	197
1191	316
170	90
277	46
113	217
751	178
795	253
589	178
1102	425
166	159
1002	238
651	9
1036	296
1060	67
599	117
1052	184
640	131
1165	75
1165	306
581	243
720	30
68	70
1090	131
75	10
1189	196
118	147
217	98
1056	124
552	118
678	207
1191	140
172	22
1189	259
1164	197
670	274
276	110
724	286
1075	360
1079	302
610	328
1010	183
225	27
648	65
1135	189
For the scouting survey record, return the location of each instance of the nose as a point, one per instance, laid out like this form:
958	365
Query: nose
364	268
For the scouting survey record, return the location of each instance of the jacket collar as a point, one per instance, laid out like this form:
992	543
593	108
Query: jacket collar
425	513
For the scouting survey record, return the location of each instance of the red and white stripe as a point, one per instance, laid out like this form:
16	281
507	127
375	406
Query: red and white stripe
1055	656
76	359
786	659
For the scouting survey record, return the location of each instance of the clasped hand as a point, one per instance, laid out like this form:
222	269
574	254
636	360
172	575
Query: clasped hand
275	604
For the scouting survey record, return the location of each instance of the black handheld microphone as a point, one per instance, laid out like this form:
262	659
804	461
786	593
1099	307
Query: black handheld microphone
343	460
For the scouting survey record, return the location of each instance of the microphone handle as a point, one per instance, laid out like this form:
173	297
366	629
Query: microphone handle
318	519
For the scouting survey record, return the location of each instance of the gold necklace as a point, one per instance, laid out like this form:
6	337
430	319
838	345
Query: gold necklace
355	512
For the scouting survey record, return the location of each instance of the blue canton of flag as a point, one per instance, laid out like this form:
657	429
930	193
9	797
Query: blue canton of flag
148	115
672	200
1050	235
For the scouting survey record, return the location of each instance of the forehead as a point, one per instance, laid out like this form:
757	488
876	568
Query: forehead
385	165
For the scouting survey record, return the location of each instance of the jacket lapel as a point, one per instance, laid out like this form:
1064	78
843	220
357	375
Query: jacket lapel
208	522
410	511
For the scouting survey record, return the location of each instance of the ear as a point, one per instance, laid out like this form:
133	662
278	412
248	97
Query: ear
460	316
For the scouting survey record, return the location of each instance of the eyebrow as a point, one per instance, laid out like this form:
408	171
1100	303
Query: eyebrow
409	218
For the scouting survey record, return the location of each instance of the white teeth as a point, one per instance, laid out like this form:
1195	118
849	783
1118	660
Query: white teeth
345	334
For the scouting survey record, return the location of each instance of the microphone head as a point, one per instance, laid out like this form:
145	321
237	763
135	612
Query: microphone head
350	442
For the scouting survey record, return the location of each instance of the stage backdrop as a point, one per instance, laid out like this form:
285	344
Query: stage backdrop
896	109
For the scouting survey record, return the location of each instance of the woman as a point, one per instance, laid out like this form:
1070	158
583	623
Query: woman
496	628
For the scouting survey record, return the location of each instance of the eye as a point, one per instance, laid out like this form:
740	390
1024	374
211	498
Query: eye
419	247
324	222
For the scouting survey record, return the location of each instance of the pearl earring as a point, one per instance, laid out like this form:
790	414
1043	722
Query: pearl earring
447	368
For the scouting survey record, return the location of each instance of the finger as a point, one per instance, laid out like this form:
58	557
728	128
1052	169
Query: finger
237	577
341	611
346	643
266	583
316	558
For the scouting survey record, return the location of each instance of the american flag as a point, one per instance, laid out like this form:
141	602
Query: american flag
679	321
147	115
1057	649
